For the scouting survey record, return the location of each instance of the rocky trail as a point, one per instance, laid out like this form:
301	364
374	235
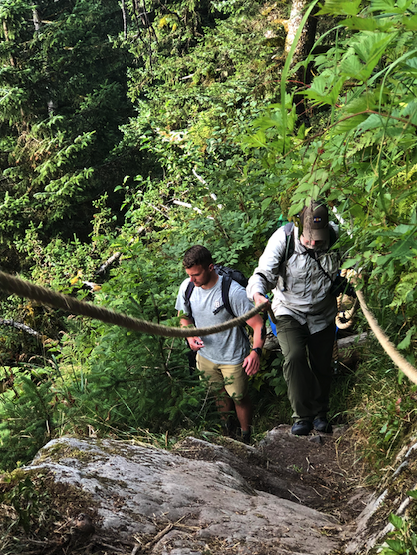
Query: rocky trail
287	494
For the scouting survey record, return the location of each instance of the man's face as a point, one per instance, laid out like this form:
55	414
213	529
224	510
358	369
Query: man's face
199	275
313	245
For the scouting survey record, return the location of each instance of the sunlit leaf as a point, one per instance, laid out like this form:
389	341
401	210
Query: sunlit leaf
382	5
361	24
360	104
351	262
369	51
389	7
410	22
265	203
349	123
410	64
353	67
406	342
374	121
372	46
335	7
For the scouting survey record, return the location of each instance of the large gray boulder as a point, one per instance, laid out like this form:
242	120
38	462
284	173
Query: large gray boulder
162	502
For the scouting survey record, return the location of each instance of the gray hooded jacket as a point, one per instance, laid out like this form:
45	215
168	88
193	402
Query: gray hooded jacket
306	295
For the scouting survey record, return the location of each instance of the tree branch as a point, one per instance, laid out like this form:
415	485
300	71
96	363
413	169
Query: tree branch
20	326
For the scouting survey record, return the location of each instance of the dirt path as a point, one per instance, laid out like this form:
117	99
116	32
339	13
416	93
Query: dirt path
319	471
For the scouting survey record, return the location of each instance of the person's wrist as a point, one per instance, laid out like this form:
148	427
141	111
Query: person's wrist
257	350
258	299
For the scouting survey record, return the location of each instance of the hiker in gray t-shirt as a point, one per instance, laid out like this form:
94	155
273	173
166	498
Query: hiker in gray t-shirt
225	357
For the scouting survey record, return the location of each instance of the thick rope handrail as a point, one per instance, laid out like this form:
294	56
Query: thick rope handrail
386	344
12	284
46	296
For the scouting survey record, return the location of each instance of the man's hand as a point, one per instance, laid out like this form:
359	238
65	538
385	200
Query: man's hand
195	343
260	299
251	363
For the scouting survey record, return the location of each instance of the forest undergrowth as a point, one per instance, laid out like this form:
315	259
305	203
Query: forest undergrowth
195	125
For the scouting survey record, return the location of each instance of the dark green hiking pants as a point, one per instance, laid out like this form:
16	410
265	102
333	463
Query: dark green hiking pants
307	367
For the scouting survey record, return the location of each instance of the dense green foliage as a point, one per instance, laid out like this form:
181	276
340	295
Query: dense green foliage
403	539
63	97
142	135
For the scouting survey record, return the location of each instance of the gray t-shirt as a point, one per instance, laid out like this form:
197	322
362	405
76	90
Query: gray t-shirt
227	347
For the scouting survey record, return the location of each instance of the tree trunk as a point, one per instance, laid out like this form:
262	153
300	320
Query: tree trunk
36	19
303	75
6	37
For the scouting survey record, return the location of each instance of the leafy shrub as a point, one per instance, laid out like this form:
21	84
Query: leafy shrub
27	420
403	539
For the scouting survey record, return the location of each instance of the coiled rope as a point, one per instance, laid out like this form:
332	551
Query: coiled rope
343	321
344	318
43	295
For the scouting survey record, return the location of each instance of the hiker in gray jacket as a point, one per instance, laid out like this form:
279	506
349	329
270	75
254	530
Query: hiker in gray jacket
299	268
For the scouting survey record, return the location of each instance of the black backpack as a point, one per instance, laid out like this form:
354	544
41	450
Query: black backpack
228	275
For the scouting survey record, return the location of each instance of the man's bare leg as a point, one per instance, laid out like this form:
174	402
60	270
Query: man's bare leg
226	408
244	413
224	403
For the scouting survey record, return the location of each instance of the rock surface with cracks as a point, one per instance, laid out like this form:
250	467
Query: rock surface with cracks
161	502
287	494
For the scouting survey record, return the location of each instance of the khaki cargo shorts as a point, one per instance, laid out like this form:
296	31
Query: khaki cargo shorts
231	376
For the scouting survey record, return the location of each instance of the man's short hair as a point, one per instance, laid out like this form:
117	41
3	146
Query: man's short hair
196	256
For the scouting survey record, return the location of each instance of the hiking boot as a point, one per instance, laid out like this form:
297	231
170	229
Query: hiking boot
229	427
321	424
245	437
301	428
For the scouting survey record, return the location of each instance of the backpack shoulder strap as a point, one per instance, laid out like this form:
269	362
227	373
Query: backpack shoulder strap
188	291
333	236
289	236
226	283
187	295
289	251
